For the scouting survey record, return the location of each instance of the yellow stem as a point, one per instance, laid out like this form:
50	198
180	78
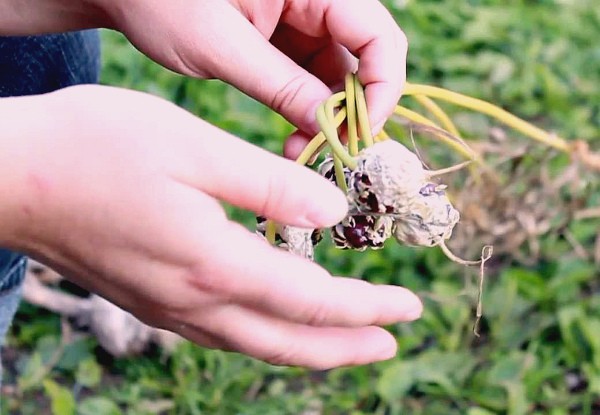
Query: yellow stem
459	147
309	151
363	114
381	136
414	116
340	178
270	231
351	110
491	110
443	118
318	140
332	138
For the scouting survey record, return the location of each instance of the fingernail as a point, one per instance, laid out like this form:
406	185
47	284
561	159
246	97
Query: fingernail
415	311
330	208
408	305
388	351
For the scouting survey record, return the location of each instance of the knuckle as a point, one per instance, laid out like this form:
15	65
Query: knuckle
208	271
206	279
286	96
402	39
190	62
319	314
283	354
287	353
201	276
276	195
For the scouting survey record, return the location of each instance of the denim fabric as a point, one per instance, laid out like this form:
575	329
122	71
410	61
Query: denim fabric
37	64
10	293
12	270
33	65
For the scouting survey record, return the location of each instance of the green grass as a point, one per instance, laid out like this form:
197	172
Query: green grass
540	347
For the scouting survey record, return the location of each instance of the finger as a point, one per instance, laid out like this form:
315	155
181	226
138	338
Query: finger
232	170
296	289
327	60
374	38
295	143
283	343
252	178
256	67
218	258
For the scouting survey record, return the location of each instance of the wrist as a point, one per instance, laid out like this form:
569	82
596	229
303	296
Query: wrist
112	13
26	122
30	17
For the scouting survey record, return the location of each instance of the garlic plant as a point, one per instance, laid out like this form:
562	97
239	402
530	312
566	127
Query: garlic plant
390	193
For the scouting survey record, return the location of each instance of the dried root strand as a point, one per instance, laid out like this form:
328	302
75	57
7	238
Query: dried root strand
486	254
581	150
451	169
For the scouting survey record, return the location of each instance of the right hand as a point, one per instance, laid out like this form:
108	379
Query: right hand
285	53
119	191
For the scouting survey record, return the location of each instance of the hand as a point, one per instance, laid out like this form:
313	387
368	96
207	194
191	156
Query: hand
120	192
285	53
313	44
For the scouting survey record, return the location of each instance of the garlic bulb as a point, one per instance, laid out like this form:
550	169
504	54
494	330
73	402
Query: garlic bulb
390	193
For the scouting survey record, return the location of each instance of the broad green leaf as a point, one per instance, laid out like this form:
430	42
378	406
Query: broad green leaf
98	406
76	352
62	401
479	411
510	368
517	401
395	381
88	373
31	371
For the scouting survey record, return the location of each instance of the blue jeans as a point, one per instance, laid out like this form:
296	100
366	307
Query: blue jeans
36	65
